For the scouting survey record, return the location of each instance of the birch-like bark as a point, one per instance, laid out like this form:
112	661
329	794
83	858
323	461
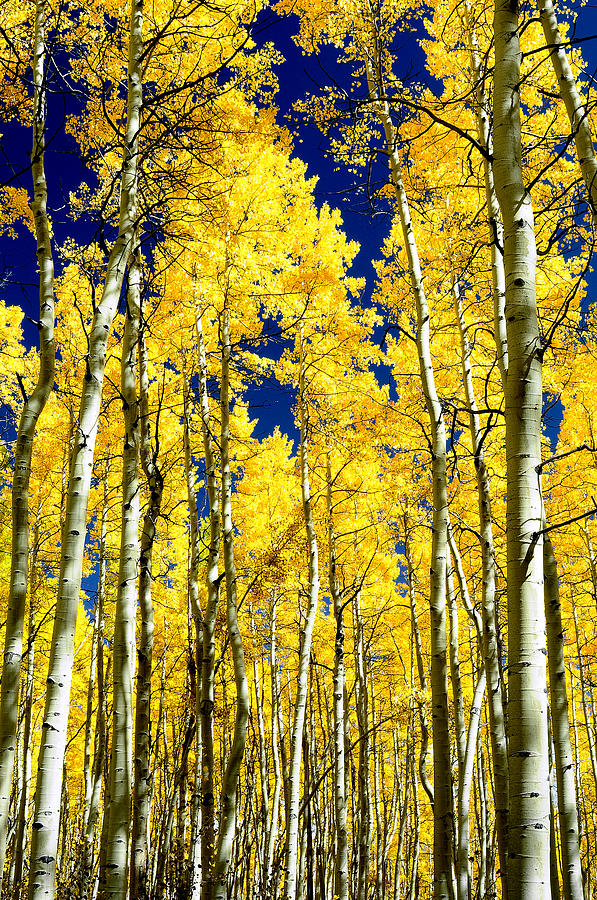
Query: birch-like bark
22	814
142	776
275	807
463	874
197	618
123	656
230	777
577	114
493	209
208	625
560	723
457	698
416	635
341	881
363	853
92	811
443	812
292	812
32	409
53	741
528	825
497	726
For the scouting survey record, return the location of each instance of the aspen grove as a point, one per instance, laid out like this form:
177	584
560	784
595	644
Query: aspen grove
298	394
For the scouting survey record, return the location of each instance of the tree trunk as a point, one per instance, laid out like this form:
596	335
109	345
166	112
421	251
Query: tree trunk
51	756
560	722
226	831
292	812
443	811
139	875
528	826
123	656
341	883
32	409
577	114
213	580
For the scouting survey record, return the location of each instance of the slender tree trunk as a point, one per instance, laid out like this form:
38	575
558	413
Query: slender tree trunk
53	741
341	881
139	873
197	617
213	579
463	874
528	826
32	409
292	812
567	812
416	634
121	758
92	813
499	750
577	114
21	829
363	784
275	808
226	831
442	787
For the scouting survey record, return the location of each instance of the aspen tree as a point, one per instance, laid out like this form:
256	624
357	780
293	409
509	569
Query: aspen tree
442	806
48	799
497	725
32	409
22	813
229	790
142	775
528	823
197	619
560	725
463	875
341	883
123	665
577	113
92	810
416	635
300	703
208	623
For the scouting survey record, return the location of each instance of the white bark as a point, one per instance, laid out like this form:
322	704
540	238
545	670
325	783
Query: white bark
497	726
228	794
48	794
121	758
443	805
560	723
528	827
577	114
32	408
208	622
139	870
463	875
341	871
292	813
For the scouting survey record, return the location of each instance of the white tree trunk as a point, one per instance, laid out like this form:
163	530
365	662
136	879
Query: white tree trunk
528	827
123	656
55	719
32	408
443	811
139	870
208	623
497	725
560	723
341	885
227	827
577	114
292	813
